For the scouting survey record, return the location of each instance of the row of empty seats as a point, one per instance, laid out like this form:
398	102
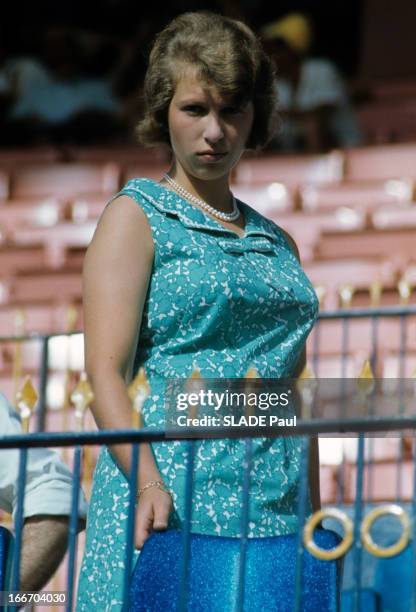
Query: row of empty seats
332	258
104	172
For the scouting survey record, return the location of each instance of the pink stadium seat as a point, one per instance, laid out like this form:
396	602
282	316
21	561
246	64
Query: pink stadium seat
391	121
398	243
306	228
361	273
144	169
290	169
394	161
48	286
409	273
64	179
269	199
33	213
4	185
356	194
9	158
87	207
5	290
39	318
57	239
356	271
74	258
119	154
394	217
14	259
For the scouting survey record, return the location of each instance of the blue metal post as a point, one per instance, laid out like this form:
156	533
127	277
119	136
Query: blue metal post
357	524
73	526
303	495
19	519
41	410
315	348
413	523
402	381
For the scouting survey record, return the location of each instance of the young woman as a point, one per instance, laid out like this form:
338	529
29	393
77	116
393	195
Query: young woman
180	273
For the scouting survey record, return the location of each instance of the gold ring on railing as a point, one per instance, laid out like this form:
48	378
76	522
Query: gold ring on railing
333	553
385	551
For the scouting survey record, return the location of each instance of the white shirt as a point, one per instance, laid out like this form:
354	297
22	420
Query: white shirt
320	83
48	487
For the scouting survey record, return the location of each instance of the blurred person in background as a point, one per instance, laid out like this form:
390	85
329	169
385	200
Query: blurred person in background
47	504
65	95
313	100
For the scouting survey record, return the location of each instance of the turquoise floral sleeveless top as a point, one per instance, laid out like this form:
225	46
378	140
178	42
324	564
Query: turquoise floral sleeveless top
221	303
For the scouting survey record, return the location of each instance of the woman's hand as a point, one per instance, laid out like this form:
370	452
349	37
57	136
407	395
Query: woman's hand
152	514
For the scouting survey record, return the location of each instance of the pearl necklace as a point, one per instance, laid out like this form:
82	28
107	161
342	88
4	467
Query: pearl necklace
217	213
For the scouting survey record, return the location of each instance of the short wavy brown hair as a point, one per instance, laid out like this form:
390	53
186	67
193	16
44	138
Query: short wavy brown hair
225	53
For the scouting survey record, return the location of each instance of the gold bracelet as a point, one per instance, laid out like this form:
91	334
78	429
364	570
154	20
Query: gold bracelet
153	483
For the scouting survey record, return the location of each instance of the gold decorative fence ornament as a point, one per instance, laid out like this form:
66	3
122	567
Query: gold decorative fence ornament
26	400
307	386
343	546
365	386
385	551
196	375
71	317
138	392
346	293
404	288
82	396
251	374
365	381
376	289
320	291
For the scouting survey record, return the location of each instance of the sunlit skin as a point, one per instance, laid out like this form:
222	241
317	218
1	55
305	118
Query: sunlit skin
200	119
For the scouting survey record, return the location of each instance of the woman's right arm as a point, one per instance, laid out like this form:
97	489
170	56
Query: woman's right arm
116	275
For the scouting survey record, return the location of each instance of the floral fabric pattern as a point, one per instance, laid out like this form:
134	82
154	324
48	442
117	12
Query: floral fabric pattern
220	303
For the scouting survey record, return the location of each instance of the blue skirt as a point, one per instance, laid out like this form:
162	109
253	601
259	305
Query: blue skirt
269	581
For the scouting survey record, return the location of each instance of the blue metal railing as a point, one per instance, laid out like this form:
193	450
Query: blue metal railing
25	441
305	428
